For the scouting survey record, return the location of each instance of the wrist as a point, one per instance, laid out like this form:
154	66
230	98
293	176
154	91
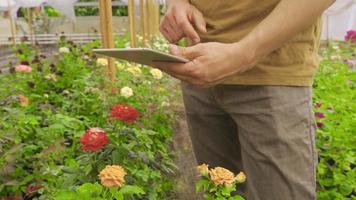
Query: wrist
244	53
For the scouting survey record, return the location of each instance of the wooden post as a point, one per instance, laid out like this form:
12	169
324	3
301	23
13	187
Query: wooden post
30	25
153	18
142	21
156	17
327	31
132	22
105	9
147	20
12	24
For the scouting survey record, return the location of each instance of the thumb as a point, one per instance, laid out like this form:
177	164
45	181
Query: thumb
186	52
199	21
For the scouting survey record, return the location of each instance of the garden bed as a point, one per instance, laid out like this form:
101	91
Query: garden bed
67	133
61	127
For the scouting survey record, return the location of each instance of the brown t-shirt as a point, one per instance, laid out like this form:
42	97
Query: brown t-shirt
294	64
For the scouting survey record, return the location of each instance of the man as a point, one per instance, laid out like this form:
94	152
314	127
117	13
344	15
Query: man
247	88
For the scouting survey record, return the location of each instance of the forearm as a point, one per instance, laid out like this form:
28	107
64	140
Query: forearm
288	19
170	2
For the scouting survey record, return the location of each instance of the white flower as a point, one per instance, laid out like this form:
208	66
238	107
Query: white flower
46	95
102	62
156	73
165	104
126	92
65	92
91	90
52	77
86	57
336	47
119	65
64	50
147	82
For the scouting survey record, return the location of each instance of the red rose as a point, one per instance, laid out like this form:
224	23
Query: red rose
94	139
124	113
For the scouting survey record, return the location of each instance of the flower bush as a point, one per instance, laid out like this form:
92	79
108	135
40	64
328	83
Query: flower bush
219	183
334	106
48	146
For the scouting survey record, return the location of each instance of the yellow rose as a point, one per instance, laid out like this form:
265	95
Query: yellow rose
119	65
134	70
112	176
203	169
102	62
126	92
156	73
222	176
241	177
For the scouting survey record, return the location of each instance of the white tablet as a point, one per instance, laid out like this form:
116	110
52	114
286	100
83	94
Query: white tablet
143	56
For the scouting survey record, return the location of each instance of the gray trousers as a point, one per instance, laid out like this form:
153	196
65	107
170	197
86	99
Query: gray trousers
265	131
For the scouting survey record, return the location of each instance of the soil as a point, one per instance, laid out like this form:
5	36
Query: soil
185	161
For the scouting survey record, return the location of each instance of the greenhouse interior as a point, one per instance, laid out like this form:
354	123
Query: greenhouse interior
177	99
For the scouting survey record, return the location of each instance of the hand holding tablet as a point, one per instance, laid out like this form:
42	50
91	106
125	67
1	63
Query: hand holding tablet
143	56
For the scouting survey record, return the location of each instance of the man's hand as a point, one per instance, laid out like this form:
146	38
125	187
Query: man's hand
182	20
210	63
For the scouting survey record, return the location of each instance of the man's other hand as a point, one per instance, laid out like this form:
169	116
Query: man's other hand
182	20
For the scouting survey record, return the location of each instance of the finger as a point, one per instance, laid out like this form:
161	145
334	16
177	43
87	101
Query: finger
199	21
188	29
167	35
173	33
190	53
178	32
163	30
182	77
181	69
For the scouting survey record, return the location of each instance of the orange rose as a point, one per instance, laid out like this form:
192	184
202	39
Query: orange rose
222	176
203	169
24	101
112	176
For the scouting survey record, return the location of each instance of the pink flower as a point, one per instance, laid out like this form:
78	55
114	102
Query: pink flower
23	68
319	125
351	63
351	35
319	115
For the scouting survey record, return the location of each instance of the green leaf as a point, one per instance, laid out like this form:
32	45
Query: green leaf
131	190
93	190
65	195
202	183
